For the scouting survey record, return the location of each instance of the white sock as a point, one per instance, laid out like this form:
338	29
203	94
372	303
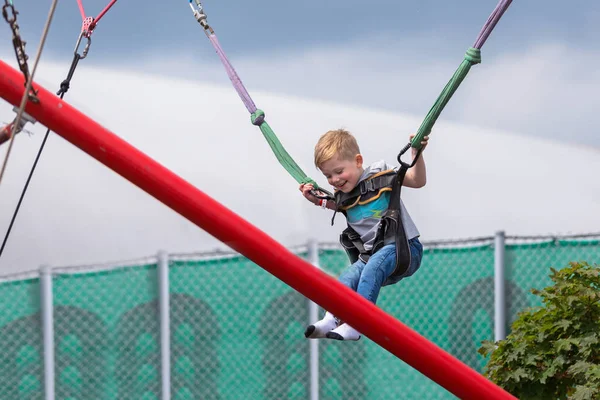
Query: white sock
320	328
344	332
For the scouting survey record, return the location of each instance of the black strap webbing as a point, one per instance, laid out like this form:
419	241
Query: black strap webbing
392	222
365	186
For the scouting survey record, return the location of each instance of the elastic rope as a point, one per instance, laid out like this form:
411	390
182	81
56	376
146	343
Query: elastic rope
99	17
491	22
257	117
81	10
94	21
472	57
238	85
282	155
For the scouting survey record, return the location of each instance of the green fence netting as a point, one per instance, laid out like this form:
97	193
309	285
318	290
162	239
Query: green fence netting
237	332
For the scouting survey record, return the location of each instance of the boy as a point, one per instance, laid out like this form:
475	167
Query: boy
338	157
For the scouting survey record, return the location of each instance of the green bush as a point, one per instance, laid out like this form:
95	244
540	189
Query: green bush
553	351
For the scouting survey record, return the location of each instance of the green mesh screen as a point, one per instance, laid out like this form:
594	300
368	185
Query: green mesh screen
237	332
20	340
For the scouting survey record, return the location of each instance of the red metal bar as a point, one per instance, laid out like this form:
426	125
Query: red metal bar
243	237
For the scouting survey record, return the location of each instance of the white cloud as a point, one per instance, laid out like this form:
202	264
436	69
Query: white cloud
543	89
480	180
547	91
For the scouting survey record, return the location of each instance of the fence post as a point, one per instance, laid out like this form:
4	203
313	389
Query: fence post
499	287
313	315
47	314
165	329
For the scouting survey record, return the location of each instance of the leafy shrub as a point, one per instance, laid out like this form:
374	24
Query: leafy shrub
553	351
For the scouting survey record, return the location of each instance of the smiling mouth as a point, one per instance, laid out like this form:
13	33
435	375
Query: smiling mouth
340	186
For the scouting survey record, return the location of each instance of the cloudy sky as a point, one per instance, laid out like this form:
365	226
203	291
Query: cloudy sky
393	55
375	67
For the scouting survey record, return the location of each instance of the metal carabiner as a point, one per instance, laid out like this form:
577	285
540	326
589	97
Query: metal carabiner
200	16
85	34
14	12
404	150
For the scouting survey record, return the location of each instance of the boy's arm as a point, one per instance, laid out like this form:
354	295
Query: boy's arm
416	177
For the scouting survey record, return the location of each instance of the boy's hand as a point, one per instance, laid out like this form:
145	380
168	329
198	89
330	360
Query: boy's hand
423	142
305	189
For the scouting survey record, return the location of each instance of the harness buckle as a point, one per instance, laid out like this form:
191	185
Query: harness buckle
366	186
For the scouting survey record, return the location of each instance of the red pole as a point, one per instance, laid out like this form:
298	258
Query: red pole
243	237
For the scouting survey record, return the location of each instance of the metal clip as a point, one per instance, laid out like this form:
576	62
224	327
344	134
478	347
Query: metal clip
25	117
14	128
14	12
89	24
200	16
366	186
86	34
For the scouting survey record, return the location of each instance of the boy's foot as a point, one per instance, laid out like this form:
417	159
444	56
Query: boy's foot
343	332
320	328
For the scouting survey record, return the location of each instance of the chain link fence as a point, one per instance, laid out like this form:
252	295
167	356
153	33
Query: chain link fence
229	330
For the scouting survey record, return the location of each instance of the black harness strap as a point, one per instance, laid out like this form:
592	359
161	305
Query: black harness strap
366	188
391	227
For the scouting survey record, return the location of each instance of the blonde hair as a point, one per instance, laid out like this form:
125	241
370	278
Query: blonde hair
338	143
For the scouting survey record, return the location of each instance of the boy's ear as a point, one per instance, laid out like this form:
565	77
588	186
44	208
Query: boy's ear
359	160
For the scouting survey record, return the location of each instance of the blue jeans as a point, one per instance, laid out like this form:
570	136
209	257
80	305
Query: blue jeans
367	279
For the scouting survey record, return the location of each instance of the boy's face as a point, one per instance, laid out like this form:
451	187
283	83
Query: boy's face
343	174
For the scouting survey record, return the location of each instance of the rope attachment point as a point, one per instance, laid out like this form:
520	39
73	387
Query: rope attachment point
88	26
473	55
66	84
257	117
200	16
16	126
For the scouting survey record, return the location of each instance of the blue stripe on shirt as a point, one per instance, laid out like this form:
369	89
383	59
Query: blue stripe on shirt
373	209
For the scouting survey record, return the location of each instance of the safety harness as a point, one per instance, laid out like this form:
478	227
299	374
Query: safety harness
391	228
